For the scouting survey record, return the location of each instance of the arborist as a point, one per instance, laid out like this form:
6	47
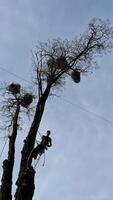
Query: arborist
46	142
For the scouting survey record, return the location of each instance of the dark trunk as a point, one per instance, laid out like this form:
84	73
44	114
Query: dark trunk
26	184
27	149
8	164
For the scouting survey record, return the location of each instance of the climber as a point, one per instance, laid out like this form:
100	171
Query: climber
44	144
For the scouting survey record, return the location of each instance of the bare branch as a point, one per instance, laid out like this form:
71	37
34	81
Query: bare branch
79	54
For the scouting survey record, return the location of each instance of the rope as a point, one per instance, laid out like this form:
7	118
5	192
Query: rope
3	147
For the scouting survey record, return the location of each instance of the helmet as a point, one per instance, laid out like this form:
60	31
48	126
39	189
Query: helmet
48	132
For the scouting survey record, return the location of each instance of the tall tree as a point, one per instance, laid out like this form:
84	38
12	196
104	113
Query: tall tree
14	100
54	61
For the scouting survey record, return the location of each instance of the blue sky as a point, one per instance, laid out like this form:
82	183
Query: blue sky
79	166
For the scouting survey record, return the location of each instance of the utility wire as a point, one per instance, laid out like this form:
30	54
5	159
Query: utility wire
88	111
64	99
13	74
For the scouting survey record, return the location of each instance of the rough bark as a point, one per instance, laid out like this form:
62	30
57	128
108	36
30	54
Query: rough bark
26	184
28	147
8	164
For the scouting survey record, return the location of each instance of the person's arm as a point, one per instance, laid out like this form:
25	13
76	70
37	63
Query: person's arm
49	142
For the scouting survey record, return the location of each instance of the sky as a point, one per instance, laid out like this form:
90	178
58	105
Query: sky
79	166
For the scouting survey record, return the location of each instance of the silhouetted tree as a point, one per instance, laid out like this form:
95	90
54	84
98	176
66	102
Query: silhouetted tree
14	99
54	61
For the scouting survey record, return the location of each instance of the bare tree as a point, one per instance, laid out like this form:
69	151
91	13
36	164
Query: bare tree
14	99
54	61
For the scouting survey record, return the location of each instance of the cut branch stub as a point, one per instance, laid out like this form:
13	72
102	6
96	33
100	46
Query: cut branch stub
14	88
75	75
26	100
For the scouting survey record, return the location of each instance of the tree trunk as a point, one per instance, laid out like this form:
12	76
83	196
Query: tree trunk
8	164
29	187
